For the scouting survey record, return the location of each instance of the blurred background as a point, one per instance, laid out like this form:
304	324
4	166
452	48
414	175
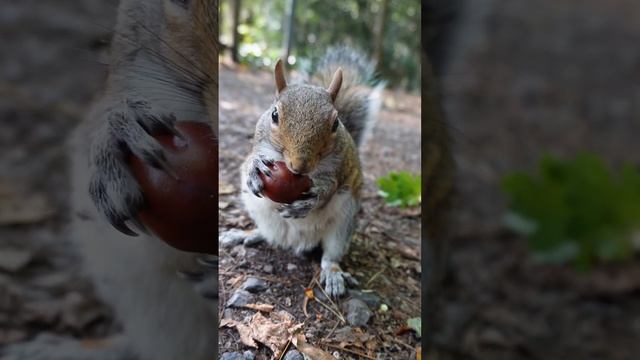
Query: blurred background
256	31
386	246
543	107
51	68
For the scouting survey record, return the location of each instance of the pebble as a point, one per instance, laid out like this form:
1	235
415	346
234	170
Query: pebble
291	267
293	355
268	269
358	313
254	285
240	298
236	355
249	355
370	298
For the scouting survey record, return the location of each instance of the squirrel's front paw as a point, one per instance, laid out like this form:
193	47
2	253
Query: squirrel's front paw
300	208
125	129
258	165
334	280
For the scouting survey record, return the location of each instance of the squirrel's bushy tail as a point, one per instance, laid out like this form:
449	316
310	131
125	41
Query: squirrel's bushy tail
359	98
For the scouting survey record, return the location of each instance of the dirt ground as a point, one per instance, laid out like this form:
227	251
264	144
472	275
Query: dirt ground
537	77
385	252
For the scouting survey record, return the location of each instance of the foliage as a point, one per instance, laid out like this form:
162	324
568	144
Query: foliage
577	210
401	189
320	24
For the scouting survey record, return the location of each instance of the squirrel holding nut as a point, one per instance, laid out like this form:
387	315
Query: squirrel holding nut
162	69
315	131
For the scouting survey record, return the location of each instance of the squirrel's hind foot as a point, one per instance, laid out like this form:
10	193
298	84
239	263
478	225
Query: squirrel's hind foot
235	237
335	280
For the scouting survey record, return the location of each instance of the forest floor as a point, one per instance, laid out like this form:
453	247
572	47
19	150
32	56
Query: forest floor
384	255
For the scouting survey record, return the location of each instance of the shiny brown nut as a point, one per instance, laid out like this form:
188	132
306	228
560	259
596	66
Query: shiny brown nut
181	204
284	186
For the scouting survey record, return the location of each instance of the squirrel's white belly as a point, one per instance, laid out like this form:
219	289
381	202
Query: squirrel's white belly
297	234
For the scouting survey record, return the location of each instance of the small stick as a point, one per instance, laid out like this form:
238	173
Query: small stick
327	295
401	343
350	351
373	278
286	347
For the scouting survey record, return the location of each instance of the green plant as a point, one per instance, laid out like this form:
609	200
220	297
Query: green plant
401	189
576	210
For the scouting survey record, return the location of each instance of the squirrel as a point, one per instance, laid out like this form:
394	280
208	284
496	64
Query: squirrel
315	130
162	69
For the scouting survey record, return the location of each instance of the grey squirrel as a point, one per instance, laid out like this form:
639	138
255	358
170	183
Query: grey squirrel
315	130
162	69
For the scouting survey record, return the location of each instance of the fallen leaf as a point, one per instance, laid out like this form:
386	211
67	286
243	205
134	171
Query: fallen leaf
260	307
274	332
246	334
419	353
416	325
308	292
309	350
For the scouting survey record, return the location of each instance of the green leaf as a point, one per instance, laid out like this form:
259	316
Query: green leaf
416	325
401	189
575	210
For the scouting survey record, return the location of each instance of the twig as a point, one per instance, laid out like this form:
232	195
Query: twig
340	317
326	295
305	302
373	278
400	342
286	347
330	332
350	351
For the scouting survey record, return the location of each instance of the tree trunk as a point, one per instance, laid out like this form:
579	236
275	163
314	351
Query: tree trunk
235	22
288	29
379	30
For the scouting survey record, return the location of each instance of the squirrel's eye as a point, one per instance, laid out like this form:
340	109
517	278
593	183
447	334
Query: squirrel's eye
274	116
334	127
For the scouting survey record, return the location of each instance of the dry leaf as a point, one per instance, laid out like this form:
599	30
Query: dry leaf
419	353
310	350
260	307
274	332
308	292
246	335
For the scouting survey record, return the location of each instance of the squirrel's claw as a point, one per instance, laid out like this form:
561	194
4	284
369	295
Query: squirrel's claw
299	208
335	282
254	182
113	188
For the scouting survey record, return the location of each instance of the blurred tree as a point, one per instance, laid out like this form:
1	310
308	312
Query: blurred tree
386	30
235	22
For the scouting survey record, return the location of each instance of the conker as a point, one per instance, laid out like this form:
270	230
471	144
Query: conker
181	206
284	186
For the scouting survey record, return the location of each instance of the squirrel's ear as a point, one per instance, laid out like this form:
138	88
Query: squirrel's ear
281	83
336	82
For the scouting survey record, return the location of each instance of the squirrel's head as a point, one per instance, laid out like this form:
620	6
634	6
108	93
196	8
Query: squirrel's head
190	45
191	33
304	122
